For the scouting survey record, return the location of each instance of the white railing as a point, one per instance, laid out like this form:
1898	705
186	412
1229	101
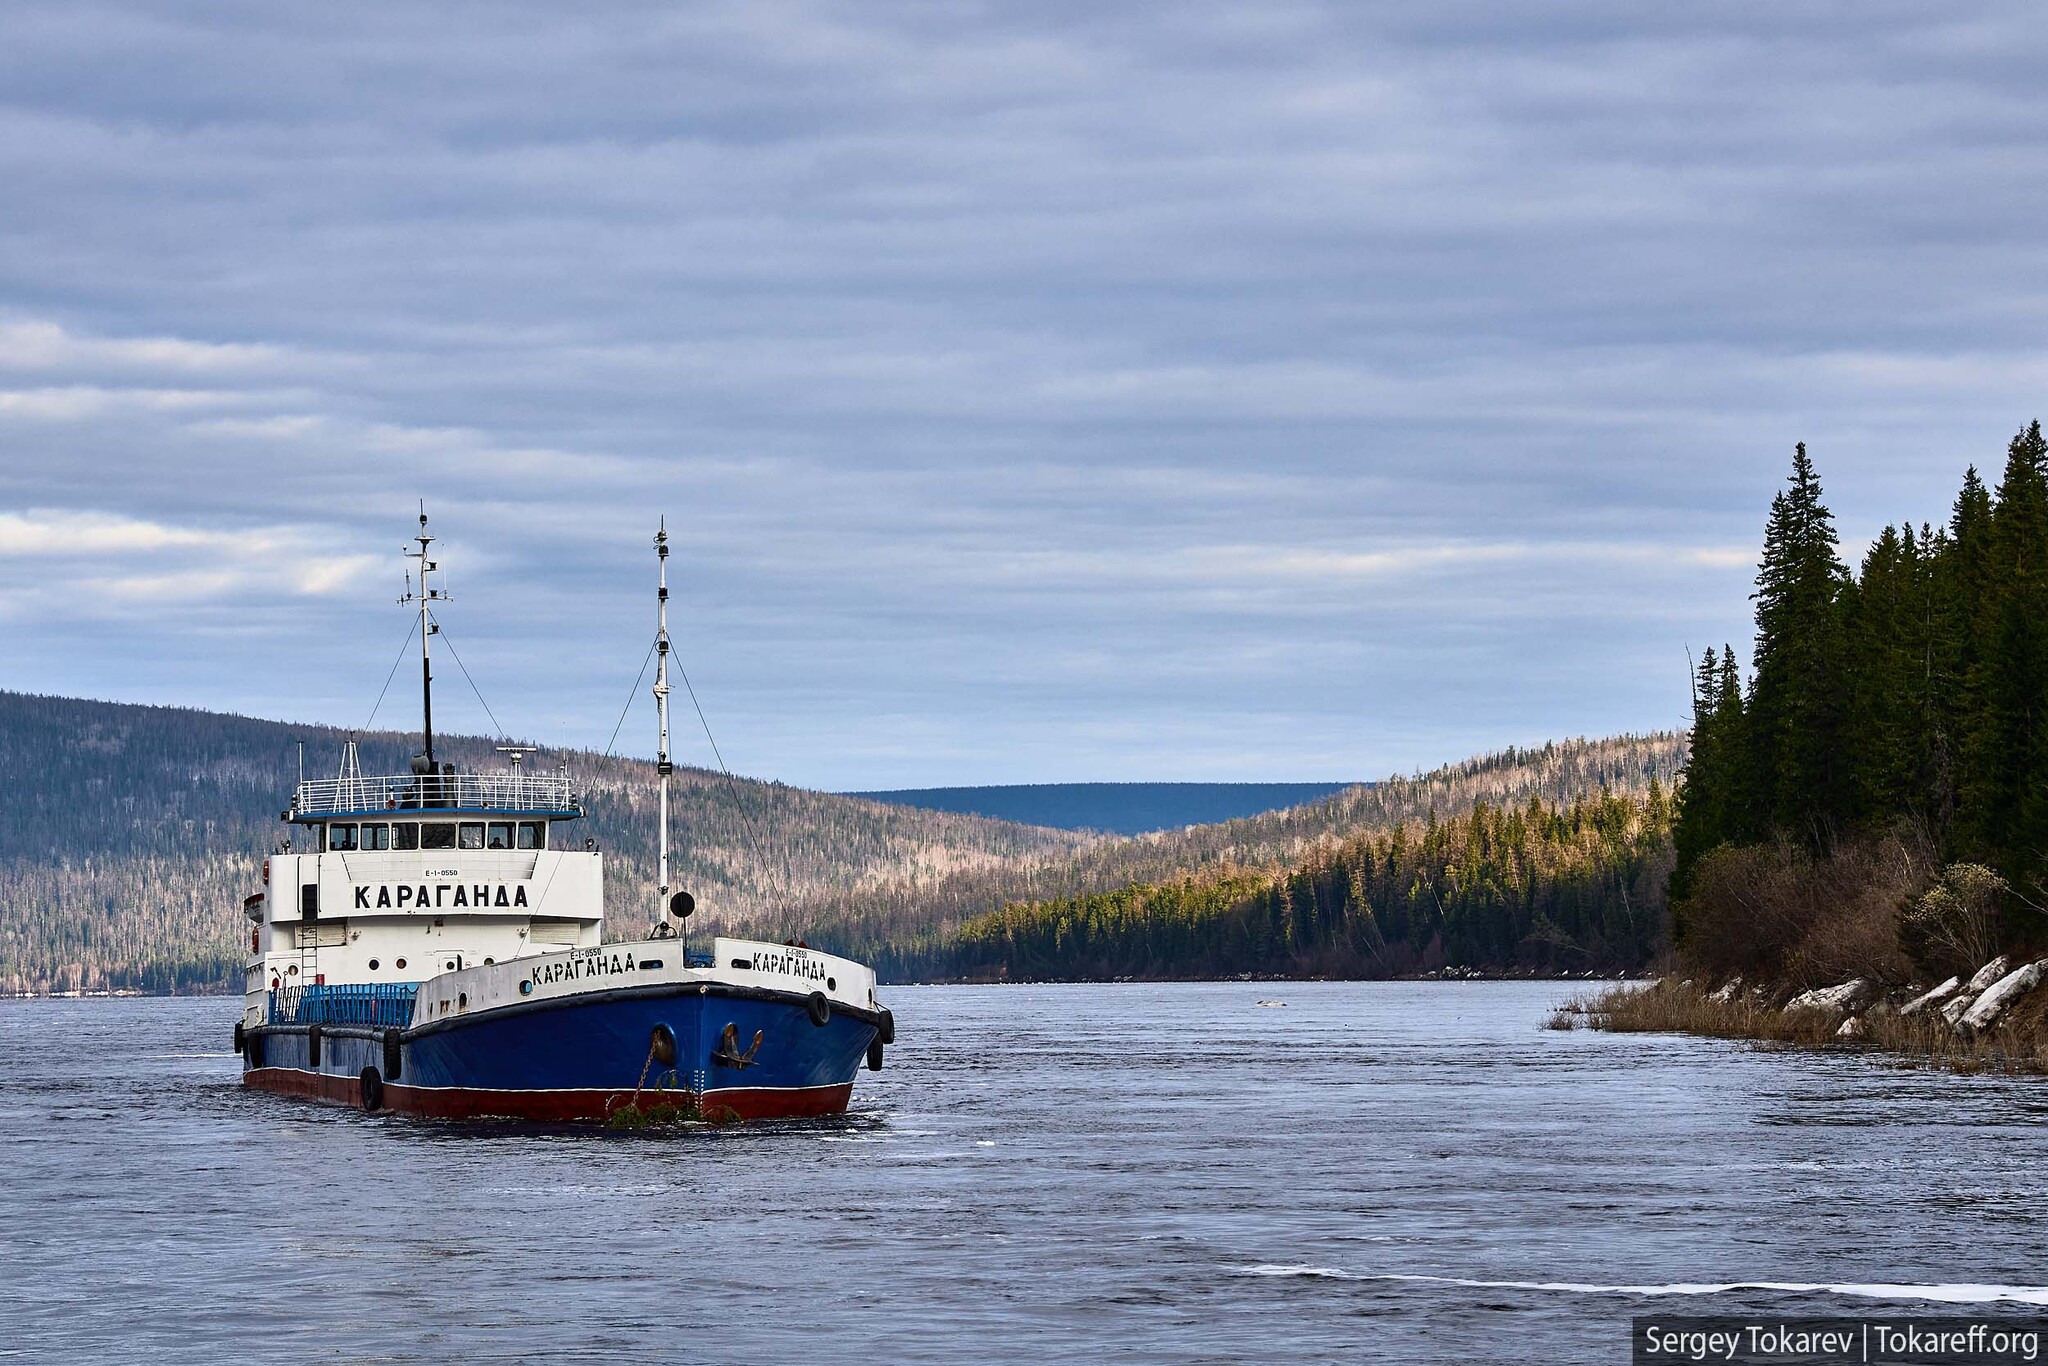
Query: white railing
437	792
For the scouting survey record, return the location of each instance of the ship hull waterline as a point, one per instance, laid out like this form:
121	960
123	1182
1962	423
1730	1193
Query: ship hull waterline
583	1058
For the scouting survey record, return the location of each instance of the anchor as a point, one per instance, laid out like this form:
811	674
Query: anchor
728	1052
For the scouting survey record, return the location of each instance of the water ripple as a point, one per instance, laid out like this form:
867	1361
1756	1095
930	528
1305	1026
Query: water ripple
1414	1172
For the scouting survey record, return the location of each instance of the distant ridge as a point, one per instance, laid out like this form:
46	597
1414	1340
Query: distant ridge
1113	808
898	925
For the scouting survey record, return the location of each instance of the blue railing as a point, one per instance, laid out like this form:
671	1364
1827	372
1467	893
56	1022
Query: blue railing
374	1004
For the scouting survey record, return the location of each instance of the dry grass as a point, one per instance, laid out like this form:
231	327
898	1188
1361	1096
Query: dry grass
2018	1045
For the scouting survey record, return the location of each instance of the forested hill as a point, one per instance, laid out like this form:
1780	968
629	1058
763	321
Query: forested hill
1539	888
134	832
1113	808
906	929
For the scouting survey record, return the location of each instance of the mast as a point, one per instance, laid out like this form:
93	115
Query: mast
423	596
662	764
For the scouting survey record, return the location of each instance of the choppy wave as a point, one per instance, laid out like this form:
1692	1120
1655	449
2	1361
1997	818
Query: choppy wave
1963	1293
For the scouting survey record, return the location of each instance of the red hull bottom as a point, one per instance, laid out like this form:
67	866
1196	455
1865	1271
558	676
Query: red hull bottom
432	1102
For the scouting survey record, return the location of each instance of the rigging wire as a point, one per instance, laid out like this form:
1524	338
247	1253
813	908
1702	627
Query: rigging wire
410	628
632	693
753	835
442	631
698	707
732	786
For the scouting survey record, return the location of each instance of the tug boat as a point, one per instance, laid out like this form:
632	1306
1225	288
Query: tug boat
432	943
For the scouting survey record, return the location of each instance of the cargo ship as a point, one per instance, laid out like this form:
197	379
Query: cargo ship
432	943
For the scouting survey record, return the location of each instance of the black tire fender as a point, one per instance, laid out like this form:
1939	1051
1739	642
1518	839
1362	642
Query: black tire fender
313	1033
887	1029
820	1008
370	1090
241	1038
394	1053
875	1056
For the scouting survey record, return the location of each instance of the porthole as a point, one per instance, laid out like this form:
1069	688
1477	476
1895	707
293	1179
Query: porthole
451	965
373	965
526	987
489	961
400	965
292	971
831	984
462	1001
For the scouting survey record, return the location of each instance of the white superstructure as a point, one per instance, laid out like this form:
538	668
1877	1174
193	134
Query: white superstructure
408	895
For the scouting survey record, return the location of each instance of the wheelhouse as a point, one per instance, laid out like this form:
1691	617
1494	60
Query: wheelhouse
441	809
349	837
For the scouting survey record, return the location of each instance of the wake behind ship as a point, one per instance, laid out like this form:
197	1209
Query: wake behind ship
437	948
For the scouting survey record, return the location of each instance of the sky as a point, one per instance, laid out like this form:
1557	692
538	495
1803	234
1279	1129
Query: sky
1034	392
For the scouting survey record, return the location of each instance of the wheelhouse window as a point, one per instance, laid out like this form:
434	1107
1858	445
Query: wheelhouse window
533	834
437	835
472	835
405	835
375	837
499	835
341	838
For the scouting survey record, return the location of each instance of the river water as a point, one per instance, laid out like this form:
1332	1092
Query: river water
1408	1172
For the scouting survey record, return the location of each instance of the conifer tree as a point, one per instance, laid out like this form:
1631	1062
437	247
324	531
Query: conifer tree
2006	783
1713	806
1796	703
1882	722
1959	578
1703	798
1740	814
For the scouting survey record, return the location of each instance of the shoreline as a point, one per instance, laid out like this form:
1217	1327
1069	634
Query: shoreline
1248	979
1900	1022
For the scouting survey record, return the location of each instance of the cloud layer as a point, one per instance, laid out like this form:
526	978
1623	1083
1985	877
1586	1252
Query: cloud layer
1035	392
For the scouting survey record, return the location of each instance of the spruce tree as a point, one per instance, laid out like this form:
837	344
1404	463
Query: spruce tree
1740	815
1960	587
2006	794
1714	807
1702	799
1930	683
1881	722
1795	710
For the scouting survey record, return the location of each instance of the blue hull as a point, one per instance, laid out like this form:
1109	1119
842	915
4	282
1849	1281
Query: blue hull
757	1054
